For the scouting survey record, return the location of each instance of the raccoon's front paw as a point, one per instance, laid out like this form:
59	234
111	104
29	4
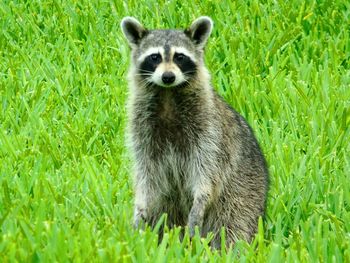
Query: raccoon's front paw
139	219
192	230
194	222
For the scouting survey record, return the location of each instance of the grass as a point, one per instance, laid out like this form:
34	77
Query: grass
65	188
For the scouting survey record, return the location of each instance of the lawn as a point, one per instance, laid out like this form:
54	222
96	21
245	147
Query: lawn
65	179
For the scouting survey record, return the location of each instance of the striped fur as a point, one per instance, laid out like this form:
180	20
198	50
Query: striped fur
195	158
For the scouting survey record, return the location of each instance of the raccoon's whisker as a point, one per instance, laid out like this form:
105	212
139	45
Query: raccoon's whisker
145	83
189	72
143	74
188	82
146	71
145	79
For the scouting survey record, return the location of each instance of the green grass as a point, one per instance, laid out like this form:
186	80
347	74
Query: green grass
65	187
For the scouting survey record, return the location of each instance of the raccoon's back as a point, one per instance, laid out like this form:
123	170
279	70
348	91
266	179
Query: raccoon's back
247	169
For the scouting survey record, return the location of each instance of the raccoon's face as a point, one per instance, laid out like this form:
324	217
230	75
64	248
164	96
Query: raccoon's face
167	58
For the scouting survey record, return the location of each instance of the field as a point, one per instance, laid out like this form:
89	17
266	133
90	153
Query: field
65	178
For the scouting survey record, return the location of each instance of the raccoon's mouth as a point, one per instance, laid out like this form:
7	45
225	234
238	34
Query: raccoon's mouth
159	84
170	86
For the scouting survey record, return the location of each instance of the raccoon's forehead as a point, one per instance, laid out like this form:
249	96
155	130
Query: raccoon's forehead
166	38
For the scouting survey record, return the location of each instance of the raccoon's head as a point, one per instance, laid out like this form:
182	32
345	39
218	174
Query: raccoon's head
167	58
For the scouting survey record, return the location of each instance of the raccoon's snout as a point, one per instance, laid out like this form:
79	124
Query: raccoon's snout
168	77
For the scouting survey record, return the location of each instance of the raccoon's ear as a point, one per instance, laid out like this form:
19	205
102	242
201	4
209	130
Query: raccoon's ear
200	30
133	30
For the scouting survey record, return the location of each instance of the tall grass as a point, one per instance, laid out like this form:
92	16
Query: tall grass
65	187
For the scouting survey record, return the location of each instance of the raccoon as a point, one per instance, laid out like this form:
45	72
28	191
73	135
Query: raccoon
196	159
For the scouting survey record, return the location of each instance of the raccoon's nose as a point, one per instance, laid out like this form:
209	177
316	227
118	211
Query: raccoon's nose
168	77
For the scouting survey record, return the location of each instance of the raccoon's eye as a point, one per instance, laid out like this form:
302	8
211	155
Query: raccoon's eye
179	57
155	57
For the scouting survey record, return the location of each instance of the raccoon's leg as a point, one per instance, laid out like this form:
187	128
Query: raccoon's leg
203	197
145	200
196	215
140	206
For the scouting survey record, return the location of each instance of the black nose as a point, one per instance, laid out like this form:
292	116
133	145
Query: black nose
168	77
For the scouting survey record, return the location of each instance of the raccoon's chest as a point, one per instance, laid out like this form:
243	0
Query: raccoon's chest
167	109
167	121
167	130
170	121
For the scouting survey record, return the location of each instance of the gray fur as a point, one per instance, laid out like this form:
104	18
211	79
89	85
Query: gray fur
195	158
